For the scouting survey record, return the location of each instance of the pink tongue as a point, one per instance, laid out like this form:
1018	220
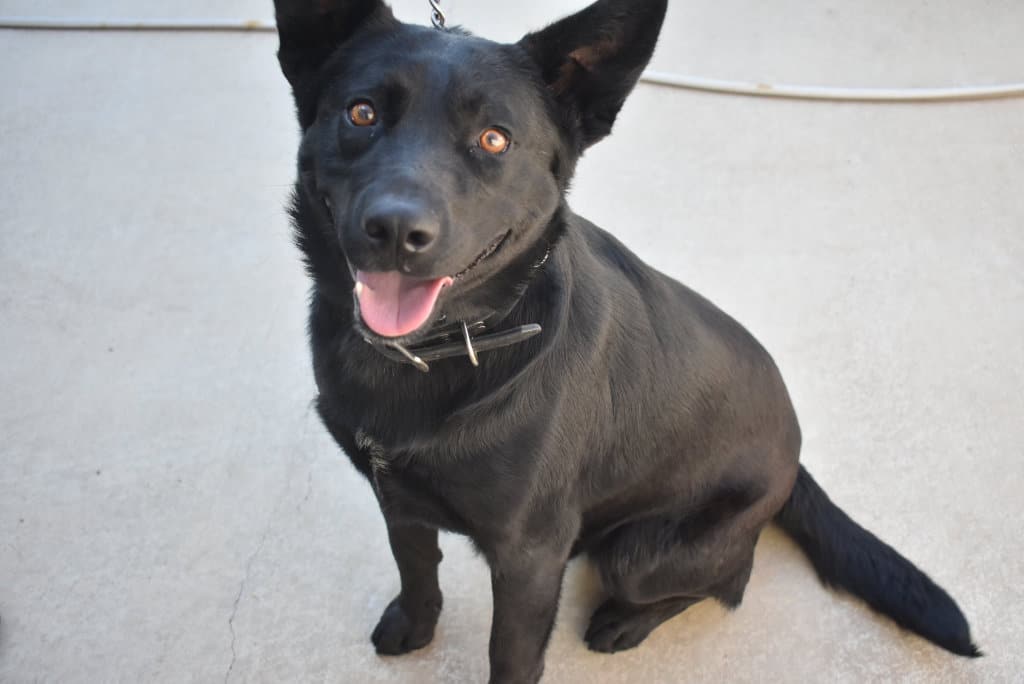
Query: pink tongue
393	305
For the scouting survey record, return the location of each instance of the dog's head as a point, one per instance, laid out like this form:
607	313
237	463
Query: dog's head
433	163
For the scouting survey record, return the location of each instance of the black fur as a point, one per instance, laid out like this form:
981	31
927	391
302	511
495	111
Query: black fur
644	427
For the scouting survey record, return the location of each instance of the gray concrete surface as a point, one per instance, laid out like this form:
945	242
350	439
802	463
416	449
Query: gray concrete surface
171	510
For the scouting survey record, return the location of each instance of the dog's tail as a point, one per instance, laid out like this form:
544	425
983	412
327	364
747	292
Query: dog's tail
849	557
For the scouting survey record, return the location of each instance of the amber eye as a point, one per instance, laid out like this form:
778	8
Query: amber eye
362	114
494	141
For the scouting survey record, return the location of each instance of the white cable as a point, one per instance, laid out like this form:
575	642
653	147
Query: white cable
656	77
837	94
121	24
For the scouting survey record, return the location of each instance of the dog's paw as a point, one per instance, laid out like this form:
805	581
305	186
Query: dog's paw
398	632
616	627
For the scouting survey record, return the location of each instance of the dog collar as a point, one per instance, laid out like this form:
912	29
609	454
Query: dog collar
445	347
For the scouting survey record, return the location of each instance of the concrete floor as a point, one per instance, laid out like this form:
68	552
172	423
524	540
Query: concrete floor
171	510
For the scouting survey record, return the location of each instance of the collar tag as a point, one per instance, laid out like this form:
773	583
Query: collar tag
469	345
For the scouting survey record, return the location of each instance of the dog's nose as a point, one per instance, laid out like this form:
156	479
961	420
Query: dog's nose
400	223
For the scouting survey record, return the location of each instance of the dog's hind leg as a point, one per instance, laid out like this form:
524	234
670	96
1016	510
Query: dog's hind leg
658	567
617	625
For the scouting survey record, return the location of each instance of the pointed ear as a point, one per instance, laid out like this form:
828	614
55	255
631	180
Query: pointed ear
311	30
591	60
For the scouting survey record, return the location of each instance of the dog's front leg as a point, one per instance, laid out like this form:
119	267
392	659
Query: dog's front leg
409	620
526	583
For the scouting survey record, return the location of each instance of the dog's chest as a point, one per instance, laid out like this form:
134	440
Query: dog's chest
410	492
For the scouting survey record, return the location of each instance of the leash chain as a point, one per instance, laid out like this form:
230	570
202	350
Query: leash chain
436	15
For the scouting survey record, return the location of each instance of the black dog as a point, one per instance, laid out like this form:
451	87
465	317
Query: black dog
643	426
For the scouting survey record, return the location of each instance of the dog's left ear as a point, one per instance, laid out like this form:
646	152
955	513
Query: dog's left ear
311	30
591	60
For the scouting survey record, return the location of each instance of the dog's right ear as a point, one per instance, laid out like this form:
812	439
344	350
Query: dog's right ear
311	30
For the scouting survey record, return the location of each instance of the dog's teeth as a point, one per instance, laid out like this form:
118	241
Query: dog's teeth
359	288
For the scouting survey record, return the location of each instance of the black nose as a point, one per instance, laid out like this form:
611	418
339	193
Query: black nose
404	224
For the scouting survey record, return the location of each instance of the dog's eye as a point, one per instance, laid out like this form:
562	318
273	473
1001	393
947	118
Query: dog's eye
494	141
362	114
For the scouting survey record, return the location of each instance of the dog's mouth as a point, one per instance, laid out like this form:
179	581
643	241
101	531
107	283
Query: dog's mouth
488	252
394	305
